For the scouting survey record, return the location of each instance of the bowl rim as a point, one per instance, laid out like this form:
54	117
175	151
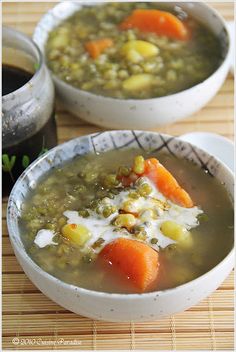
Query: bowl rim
26	257
90	95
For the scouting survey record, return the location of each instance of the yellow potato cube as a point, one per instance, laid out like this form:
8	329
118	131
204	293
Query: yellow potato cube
78	234
142	48
174	231
134	56
139	81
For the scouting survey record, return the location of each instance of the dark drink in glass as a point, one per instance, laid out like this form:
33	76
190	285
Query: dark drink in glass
28	115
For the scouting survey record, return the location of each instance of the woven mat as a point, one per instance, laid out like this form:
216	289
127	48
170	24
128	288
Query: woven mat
32	321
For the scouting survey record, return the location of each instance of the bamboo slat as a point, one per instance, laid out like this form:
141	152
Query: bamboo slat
10	265
189	321
4	227
6	247
40	324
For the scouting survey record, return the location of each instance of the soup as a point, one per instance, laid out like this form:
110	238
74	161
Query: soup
128	229
132	50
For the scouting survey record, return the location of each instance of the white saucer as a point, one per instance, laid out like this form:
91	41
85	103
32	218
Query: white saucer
214	144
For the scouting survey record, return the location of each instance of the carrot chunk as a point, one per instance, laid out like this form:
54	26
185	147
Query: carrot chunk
156	21
133	259
96	47
166	183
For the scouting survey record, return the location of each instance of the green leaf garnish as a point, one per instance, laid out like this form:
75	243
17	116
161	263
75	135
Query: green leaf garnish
25	161
8	163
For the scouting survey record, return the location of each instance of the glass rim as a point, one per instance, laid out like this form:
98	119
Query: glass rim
13	32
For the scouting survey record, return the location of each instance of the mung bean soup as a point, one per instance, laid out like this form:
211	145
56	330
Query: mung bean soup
132	50
126	223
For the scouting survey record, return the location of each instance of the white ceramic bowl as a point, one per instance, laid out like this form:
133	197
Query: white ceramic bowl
107	306
133	113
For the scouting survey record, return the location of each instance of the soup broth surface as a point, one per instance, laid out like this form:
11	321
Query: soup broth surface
169	66
76	184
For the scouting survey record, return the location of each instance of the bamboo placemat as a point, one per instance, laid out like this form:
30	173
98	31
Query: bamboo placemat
35	322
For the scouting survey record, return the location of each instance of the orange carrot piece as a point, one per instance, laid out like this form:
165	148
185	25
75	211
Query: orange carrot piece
166	183
96	47
156	21
134	259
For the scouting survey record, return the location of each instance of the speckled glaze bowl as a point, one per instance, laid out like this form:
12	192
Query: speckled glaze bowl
107	306
133	113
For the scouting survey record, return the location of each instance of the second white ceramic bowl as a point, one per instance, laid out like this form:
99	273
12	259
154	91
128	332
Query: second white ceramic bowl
133	113
102	305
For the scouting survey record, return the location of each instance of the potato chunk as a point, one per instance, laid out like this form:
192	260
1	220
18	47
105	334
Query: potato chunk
139	81
174	231
78	234
137	50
